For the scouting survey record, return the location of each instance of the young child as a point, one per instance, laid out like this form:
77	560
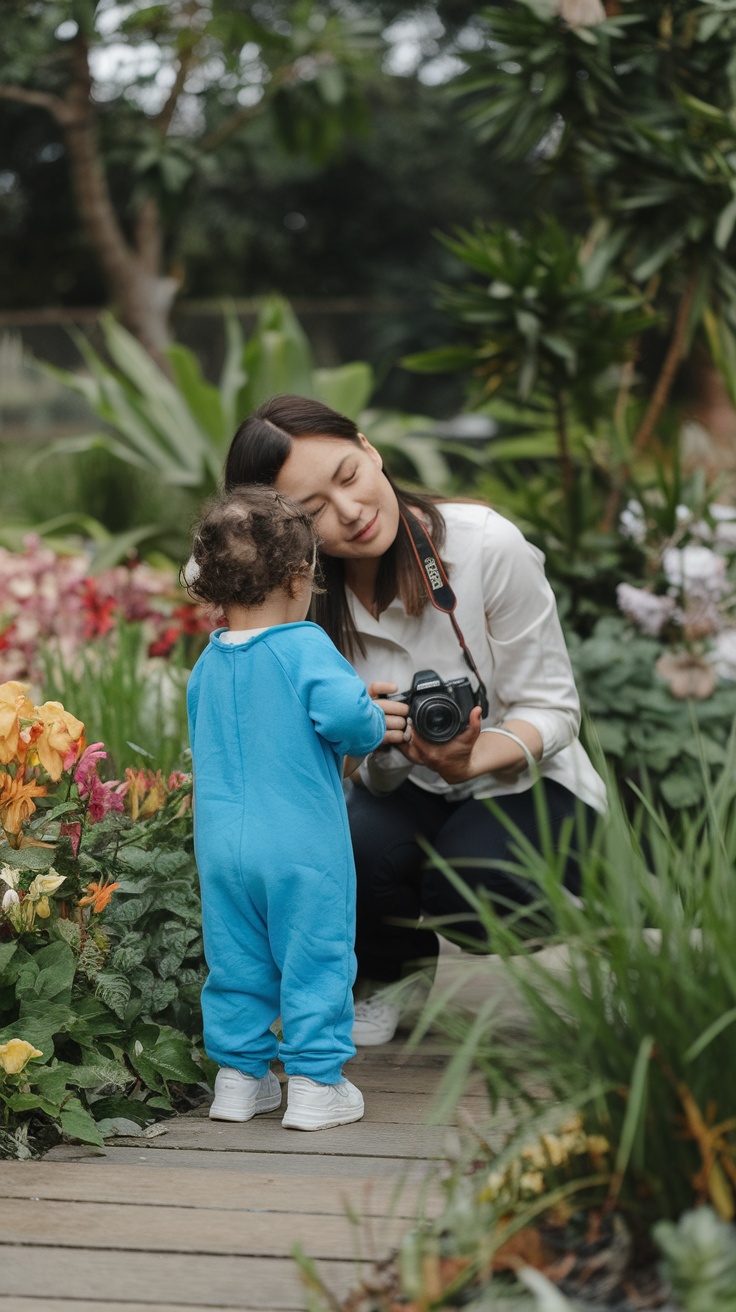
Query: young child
273	709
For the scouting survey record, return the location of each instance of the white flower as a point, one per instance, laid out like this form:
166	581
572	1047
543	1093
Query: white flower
725	529
697	571
581	13
9	876
648	612
631	521
44	884
723	654
11	899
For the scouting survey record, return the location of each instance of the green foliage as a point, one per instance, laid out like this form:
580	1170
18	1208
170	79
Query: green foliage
671	745
547	312
619	1075
634	1027
136	706
110	1002
643	104
700	1261
178	429
155	969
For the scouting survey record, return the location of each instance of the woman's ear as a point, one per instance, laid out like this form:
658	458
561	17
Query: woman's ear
370	450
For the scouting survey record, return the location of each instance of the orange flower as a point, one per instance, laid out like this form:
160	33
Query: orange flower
98	895
61	741
146	793
14	706
16	800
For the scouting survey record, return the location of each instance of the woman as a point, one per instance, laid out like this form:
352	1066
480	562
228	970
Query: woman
519	740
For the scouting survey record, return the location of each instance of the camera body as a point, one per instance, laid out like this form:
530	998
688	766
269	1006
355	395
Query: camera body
439	710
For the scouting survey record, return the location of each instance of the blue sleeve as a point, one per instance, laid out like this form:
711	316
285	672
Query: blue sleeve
335	698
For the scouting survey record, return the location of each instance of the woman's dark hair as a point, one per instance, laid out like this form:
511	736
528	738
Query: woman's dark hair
250	542
257	453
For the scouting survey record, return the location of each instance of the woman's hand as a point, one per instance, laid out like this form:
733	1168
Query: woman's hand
473	753
453	761
395	712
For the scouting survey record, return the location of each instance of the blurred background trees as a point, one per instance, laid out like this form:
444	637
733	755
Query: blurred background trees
227	149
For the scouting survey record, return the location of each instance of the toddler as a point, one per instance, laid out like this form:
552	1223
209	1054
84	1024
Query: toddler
273	709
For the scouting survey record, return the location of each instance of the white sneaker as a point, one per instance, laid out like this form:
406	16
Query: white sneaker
376	1020
312	1106
240	1097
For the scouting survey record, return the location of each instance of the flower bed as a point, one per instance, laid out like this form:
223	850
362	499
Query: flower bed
99	915
52	604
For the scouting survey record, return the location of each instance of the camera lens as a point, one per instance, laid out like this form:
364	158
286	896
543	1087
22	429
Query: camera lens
437	719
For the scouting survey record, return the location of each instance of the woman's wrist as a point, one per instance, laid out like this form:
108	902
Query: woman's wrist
513	745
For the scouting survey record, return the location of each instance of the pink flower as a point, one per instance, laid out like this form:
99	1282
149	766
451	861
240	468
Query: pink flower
86	771
103	798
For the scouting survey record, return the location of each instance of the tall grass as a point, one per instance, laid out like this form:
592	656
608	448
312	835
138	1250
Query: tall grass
639	1029
136	706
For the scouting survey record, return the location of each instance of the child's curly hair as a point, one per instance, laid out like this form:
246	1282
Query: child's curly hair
250	541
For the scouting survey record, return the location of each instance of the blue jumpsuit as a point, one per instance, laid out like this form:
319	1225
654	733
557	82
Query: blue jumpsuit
270	721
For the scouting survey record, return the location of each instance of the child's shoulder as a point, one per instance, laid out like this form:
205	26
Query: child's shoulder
301	645
298	636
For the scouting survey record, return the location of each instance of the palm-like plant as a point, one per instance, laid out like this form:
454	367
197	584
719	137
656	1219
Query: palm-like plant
549	318
639	112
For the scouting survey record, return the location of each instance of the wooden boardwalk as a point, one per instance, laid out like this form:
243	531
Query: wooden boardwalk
206	1215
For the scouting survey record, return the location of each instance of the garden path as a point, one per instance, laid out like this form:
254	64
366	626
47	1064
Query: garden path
205	1215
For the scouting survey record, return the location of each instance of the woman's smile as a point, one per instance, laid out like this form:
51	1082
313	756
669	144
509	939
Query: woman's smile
366	532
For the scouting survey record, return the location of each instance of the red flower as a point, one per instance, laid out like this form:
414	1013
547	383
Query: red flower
99	611
73	831
164	644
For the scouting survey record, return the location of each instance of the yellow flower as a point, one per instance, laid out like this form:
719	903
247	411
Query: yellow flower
16	1054
43	910
554	1149
532	1182
61	741
536	1155
13	705
145	794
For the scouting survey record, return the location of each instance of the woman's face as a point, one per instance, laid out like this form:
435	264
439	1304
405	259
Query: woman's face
343	486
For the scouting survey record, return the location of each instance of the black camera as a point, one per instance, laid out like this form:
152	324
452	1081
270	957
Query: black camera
439	710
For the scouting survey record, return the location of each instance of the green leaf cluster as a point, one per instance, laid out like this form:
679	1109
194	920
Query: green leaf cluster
651	737
113	1008
178	428
548	314
628	1023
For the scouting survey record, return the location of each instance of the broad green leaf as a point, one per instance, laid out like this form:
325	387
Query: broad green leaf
346	389
77	1123
204	400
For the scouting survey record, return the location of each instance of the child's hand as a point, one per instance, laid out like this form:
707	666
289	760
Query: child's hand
395	712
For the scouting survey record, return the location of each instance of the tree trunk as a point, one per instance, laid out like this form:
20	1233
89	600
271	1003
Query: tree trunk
142	296
709	431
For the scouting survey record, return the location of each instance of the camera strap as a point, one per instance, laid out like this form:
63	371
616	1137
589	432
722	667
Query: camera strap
439	590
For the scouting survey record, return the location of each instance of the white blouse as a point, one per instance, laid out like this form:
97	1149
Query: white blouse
507	613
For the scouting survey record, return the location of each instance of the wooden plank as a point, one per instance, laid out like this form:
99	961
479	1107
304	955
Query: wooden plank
94	1305
284	1164
265	1134
189	1230
417	1079
164	1278
233	1191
